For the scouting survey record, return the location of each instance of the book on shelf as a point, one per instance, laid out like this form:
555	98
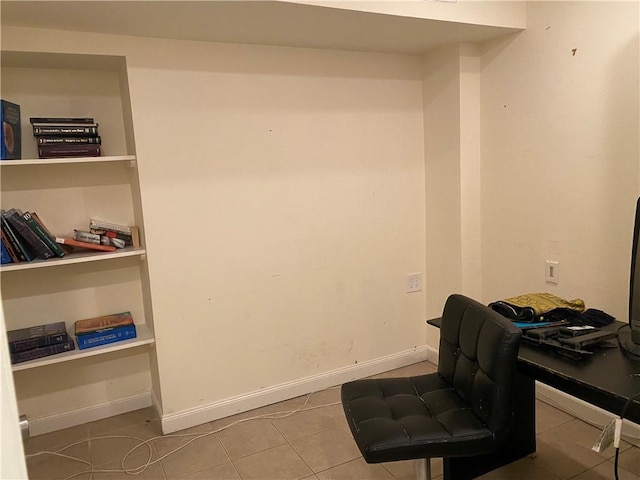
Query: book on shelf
11	138
43	234
68	140
37	336
106	336
10	248
16	221
71	150
65	130
49	350
4	254
20	246
88	237
95	224
65	248
95	324
91	246
62	120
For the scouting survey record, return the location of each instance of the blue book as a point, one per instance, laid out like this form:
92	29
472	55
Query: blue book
105	336
10	138
4	257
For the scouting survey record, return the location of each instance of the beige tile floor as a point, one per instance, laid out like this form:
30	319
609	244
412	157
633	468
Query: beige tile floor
312	444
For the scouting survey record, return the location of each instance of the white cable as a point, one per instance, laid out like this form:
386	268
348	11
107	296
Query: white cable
196	436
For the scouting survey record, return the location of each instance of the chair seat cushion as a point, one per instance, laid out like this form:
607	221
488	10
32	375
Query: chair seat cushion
398	418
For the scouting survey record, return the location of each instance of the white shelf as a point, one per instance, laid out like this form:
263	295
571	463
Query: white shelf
76	257
53	161
144	337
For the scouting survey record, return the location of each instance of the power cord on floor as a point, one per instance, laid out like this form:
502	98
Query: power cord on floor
196	436
618	432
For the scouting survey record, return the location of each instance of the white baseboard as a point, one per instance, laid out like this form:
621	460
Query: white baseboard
277	393
39	426
585	411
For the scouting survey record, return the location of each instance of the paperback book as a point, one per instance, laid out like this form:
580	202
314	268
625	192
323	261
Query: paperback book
37	336
89	246
21	247
106	336
34	353
19	224
94	324
11	141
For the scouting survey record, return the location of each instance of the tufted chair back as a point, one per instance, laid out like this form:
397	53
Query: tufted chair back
476	357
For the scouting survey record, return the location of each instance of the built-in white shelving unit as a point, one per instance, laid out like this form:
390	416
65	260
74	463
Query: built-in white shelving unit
66	193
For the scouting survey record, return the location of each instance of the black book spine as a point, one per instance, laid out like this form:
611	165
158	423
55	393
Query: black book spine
14	217
75	150
66	131
42	352
68	140
24	251
58	120
44	236
31	343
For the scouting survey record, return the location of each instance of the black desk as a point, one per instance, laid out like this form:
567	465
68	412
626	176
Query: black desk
606	379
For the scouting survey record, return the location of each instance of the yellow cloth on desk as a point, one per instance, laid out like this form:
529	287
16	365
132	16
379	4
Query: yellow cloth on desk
542	303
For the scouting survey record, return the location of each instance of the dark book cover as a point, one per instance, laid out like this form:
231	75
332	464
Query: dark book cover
43	234
106	336
34	353
22	248
44	330
62	120
66	130
65	248
75	150
39	342
15	258
95	324
4	254
11	144
15	219
68	140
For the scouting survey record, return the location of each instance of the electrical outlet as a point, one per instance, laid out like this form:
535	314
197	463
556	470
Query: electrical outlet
414	282
552	271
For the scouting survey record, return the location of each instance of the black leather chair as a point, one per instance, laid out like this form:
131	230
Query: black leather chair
465	409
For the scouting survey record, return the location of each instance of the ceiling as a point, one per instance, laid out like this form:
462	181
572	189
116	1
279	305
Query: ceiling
250	22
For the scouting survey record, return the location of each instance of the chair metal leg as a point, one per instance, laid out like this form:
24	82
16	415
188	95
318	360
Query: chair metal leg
422	467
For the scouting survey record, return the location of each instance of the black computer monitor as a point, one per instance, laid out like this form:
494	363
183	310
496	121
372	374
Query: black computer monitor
629	337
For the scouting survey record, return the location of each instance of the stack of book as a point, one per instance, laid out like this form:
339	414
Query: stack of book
106	233
40	341
24	237
66	137
96	331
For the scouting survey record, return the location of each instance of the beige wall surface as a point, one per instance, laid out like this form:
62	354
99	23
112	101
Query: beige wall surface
283	193
560	153
283	197
287	192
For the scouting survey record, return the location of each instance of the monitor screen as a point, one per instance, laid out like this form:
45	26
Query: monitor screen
634	287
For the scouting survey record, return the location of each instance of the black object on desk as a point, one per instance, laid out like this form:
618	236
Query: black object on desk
606	379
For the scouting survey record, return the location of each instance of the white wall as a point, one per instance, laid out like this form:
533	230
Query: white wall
283	196
283	192
560	153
